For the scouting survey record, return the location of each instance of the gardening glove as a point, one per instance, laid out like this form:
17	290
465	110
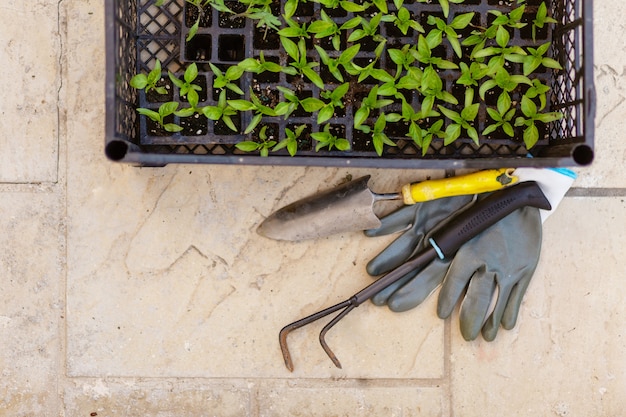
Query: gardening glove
501	261
416	221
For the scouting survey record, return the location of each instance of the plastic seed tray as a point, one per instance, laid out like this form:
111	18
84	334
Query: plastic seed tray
138	33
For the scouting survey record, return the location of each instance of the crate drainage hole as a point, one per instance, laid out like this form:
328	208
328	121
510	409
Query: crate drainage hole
231	48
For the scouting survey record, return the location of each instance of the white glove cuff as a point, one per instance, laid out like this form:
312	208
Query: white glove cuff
554	182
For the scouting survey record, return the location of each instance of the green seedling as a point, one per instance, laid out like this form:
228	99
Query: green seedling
293	29
344	60
472	74
149	82
326	139
186	86
259	65
369	103
513	19
505	81
500	53
348	6
254	105
263	145
538	90
326	27
223	111
261	12
300	65
479	38
502	116
402	19
412	80
424	54
291	6
381	5
531	116
421	137
291	141
536	58
432	88
403	58
226	79
445	5
192	109
285	108
379	137
370	28
370	70
462	121
541	19
434	37
335	100
425	136
165	110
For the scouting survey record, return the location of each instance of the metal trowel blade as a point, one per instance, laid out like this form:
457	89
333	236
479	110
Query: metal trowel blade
346	208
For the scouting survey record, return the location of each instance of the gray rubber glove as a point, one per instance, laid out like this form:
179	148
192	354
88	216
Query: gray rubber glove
500	261
418	222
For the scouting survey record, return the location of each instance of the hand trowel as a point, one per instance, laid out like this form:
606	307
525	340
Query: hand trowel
350	206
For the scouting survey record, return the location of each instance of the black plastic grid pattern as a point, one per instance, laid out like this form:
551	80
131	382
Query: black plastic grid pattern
144	32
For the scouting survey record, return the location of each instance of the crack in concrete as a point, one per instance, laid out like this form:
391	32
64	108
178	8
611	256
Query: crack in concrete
61	29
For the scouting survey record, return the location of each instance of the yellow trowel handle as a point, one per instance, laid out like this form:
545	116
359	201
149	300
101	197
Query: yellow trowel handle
475	183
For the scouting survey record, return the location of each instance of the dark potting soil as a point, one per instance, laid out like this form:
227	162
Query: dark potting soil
154	97
154	129
220	128
362	142
266	95
271	132
192	13
228	20
195	125
265	39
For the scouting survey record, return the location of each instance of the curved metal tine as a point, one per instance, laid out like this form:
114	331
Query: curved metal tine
282	336
326	328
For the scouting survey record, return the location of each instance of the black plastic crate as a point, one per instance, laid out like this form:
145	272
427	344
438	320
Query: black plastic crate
137	33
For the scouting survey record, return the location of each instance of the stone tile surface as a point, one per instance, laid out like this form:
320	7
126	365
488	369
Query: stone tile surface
30	83
566	355
610	83
132	291
170	278
31	307
402	401
132	397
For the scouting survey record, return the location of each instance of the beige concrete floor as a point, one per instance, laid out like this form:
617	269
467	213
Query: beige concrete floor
146	292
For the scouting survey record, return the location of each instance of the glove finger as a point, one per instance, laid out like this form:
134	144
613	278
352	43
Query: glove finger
475	305
397	221
414	292
380	299
511	311
492	325
460	272
395	254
